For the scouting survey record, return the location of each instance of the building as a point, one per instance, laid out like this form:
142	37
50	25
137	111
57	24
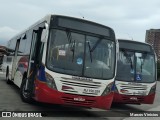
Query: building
153	38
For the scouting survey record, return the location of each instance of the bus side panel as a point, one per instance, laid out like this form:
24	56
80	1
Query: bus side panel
22	60
22	67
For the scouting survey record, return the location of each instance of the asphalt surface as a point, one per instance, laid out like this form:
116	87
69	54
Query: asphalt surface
10	101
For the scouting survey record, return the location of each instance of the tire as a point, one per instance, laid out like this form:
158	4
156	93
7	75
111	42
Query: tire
26	95
7	77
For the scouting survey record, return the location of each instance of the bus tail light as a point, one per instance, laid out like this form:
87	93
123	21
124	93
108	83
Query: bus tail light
108	89
50	81
153	89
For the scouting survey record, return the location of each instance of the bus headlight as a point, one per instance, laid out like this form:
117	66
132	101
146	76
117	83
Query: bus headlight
153	89
50	81
108	89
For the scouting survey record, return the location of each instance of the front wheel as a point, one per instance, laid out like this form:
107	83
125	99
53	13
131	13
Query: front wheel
26	95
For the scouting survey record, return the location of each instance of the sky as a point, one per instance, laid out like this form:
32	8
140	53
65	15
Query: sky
129	18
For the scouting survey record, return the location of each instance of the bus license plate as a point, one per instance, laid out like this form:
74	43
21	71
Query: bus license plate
91	91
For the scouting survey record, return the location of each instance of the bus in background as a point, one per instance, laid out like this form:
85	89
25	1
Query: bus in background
65	60
136	73
7	63
3	52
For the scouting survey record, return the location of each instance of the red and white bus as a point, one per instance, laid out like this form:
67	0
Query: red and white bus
65	60
136	73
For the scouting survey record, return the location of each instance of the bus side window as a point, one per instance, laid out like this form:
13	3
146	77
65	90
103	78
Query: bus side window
9	60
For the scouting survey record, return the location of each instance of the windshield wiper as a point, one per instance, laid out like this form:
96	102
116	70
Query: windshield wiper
131	63
73	49
129	58
69	36
142	59
142	63
72	46
90	51
94	47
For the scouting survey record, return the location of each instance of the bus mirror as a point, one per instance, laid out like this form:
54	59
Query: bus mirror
44	33
46	26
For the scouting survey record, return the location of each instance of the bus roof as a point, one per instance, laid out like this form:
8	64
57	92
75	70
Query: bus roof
47	19
79	19
135	45
132	41
72	23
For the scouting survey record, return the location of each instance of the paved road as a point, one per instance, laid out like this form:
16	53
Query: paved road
10	101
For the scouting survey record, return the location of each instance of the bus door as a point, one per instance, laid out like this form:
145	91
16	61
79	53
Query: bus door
33	58
14	64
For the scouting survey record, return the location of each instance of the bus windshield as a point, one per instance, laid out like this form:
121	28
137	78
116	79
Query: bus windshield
135	66
81	54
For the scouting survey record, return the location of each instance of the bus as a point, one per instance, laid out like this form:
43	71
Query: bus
136	73
3	52
65	60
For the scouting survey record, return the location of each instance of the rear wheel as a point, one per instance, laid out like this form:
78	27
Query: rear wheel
26	95
7	77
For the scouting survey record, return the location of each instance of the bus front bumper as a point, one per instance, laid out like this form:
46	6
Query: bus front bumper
45	94
133	99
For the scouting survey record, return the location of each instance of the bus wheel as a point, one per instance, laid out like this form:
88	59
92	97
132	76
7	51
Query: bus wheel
26	95
7	77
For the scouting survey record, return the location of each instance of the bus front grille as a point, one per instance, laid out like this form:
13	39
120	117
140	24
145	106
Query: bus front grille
132	99
80	84
129	87
80	102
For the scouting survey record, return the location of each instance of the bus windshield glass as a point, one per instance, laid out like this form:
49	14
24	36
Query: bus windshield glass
80	54
135	66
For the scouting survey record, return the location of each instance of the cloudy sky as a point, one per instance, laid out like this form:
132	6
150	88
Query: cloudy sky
129	18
